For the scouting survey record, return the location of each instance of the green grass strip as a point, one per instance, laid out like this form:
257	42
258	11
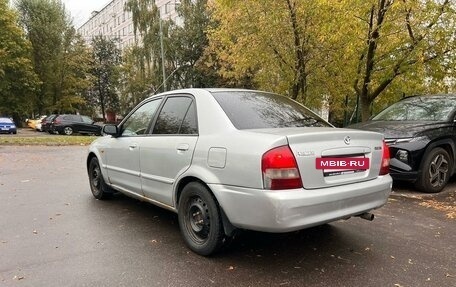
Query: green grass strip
56	140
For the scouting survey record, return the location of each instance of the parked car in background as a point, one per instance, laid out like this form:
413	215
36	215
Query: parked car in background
228	159
31	123
70	124
46	123
421	134
7	126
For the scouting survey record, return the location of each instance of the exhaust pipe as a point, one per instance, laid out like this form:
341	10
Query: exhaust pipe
367	216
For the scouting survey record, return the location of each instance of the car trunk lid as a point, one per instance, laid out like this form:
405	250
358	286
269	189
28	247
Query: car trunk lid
310	145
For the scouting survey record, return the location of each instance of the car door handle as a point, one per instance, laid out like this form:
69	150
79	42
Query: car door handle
132	146
183	147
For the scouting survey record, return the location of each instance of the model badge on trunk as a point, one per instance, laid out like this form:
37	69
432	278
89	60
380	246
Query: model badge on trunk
347	140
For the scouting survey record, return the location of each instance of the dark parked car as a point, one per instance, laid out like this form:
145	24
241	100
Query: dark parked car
7	126
69	124
421	134
46	123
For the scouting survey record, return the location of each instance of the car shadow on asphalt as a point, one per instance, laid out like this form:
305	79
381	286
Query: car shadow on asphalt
328	240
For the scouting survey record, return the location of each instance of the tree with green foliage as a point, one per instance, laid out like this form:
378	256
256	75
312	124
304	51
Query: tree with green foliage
59	59
188	40
106	60
17	79
152	31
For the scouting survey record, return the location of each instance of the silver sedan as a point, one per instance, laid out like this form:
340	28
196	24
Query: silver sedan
229	159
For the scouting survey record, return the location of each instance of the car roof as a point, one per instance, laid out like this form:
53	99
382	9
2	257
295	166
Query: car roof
8	120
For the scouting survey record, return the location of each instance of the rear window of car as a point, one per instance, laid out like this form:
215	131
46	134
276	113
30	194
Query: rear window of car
257	110
419	109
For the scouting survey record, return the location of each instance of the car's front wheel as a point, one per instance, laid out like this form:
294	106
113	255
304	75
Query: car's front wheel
100	189
435	172
68	131
200	220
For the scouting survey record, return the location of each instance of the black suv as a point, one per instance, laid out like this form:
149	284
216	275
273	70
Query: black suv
421	134
69	124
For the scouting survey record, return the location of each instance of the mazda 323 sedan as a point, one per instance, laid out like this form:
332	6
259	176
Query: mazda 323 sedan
227	159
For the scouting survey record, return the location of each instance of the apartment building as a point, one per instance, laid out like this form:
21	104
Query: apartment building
114	22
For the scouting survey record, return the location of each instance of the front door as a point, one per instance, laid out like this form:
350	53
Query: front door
123	154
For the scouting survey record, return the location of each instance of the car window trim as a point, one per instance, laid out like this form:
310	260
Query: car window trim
146	101
161	107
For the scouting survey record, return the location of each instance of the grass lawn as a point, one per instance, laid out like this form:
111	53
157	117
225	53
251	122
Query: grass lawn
54	140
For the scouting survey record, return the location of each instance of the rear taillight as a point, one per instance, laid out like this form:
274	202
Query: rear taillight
384	169
280	170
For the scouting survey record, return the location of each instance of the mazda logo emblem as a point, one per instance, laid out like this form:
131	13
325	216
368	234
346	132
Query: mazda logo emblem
347	140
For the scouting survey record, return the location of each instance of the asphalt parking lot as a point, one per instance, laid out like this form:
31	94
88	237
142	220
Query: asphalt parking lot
54	233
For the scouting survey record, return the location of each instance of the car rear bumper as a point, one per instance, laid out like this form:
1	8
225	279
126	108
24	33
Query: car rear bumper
289	210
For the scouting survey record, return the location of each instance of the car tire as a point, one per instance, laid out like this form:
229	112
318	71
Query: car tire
435	171
68	131
200	220
98	186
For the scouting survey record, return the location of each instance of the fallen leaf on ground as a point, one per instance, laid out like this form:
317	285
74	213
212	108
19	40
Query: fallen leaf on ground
450	210
18	277
35	232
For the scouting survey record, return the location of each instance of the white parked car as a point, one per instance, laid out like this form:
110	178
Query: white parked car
228	159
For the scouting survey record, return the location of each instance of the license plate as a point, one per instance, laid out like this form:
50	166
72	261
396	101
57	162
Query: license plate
5	129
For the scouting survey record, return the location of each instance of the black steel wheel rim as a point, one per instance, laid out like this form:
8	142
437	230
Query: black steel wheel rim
95	178
197	220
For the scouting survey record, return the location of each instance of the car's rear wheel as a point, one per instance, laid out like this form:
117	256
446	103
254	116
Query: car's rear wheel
68	131
435	172
200	220
100	189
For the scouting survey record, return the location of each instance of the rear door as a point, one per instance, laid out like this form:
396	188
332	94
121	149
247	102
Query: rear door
169	150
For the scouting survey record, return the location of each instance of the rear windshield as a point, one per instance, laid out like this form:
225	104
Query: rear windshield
259	110
419	109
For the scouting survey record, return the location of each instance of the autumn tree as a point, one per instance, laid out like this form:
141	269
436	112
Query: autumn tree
17	79
275	42
106	60
409	42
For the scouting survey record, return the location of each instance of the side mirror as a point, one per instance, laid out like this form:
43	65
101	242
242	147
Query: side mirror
111	130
